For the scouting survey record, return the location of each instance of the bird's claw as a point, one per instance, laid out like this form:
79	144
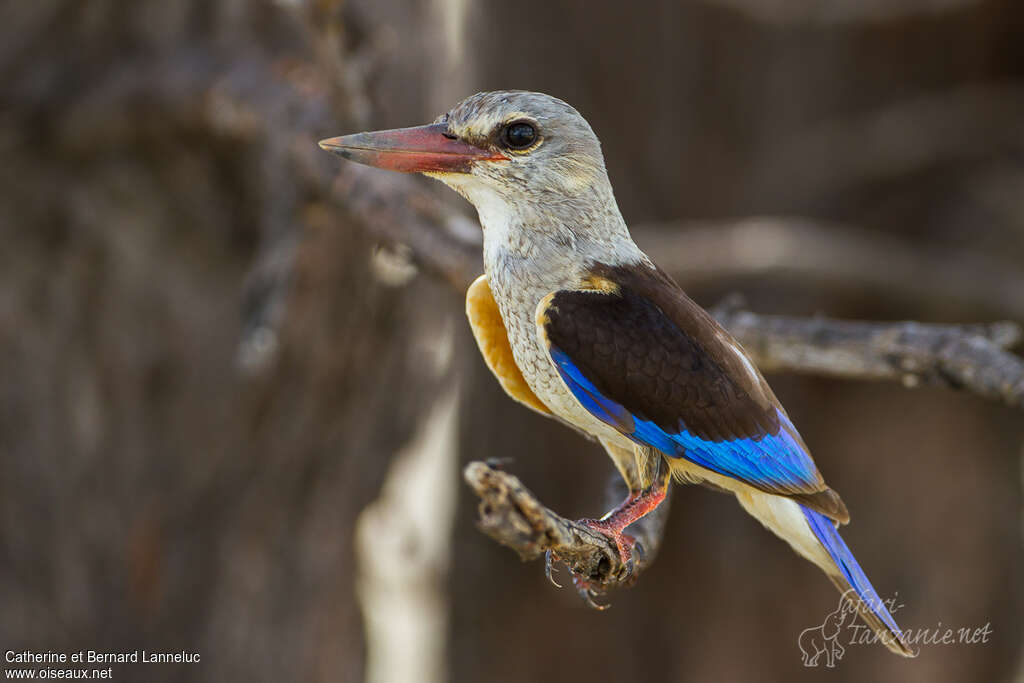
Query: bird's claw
628	569
549	559
586	590
586	586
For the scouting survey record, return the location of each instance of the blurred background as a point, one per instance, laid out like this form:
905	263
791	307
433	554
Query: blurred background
235	405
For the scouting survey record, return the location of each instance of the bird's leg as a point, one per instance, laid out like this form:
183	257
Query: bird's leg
635	506
646	476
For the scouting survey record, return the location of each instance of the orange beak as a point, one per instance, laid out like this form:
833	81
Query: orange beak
411	150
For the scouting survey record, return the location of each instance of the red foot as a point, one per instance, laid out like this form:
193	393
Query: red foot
630	510
624	542
611	525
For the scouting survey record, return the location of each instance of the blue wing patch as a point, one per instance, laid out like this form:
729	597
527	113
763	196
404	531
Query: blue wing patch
586	393
768	462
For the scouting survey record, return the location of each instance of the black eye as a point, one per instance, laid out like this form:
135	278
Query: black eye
519	135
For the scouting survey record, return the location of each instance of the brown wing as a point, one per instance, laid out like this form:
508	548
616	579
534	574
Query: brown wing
702	372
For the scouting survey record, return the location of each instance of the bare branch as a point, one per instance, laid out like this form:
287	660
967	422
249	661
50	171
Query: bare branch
512	515
964	357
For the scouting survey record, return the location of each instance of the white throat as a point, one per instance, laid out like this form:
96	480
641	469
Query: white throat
546	245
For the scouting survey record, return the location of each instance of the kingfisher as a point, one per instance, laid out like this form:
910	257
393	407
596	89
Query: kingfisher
577	323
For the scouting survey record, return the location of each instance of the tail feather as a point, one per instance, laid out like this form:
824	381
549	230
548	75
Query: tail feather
814	536
850	578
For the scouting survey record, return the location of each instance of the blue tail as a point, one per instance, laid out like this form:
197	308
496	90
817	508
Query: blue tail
851	576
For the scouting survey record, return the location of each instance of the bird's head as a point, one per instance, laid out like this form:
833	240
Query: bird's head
505	151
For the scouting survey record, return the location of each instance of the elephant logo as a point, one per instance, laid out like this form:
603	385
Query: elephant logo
824	639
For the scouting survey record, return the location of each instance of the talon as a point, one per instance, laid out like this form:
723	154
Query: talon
549	558
588	593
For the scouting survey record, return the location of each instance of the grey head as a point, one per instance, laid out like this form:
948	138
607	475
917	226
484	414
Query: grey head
529	163
552	152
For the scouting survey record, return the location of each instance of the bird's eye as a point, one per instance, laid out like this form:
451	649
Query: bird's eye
519	135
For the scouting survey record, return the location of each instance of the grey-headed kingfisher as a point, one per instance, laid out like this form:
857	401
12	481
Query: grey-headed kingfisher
577	323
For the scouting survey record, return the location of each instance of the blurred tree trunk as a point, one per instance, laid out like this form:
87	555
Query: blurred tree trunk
164	487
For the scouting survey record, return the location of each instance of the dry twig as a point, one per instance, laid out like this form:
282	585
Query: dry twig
513	516
963	357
